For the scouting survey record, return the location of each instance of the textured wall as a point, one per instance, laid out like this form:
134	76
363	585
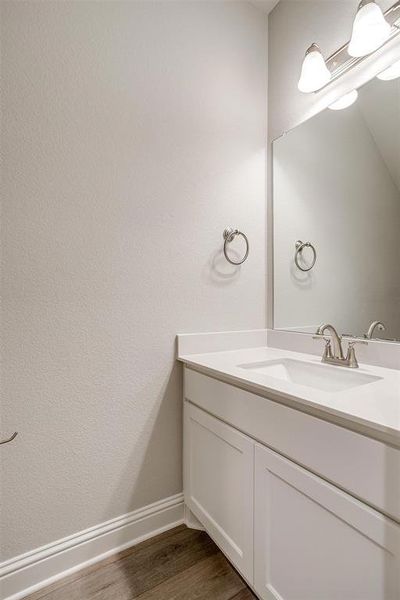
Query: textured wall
133	133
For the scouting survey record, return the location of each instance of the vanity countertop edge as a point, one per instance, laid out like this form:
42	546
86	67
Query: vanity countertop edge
372	409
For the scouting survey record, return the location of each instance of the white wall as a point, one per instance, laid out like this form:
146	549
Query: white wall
133	133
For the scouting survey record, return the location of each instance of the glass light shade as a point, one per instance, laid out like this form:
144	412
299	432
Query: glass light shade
344	101
370	29
314	72
391	72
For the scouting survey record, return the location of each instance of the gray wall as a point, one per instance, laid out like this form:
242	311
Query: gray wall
133	133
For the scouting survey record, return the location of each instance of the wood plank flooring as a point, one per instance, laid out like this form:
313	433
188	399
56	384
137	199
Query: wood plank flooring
181	564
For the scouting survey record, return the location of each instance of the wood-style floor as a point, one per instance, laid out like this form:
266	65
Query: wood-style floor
181	564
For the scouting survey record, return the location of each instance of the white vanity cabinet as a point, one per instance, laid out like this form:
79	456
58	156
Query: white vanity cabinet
219	484
315	542
292	534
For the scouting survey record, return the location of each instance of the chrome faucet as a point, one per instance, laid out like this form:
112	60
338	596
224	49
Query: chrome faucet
374	325
336	356
337	340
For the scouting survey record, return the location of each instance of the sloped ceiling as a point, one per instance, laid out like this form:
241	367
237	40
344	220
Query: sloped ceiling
379	102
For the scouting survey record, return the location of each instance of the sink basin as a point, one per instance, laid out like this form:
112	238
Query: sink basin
317	376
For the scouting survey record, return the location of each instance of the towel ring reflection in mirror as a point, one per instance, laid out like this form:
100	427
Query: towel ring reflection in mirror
299	248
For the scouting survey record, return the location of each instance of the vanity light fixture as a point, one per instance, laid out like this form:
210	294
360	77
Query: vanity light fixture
344	101
314	72
391	72
370	29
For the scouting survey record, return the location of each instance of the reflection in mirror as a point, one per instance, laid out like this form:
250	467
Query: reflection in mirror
336	187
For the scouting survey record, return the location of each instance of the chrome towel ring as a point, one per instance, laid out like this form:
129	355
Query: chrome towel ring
299	248
229	235
10	439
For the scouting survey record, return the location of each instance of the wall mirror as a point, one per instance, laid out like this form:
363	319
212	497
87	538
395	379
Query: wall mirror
336	191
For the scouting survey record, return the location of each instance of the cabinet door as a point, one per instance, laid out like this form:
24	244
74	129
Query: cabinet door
219	484
314	542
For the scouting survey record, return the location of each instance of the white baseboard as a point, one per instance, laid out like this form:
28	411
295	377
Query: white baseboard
191	520
29	572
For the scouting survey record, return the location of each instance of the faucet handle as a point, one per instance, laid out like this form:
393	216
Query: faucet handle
328	347
351	355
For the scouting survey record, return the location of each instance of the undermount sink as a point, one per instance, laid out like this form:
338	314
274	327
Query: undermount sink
319	377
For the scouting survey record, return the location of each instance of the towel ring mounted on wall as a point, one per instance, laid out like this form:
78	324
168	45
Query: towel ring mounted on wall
229	235
299	248
10	439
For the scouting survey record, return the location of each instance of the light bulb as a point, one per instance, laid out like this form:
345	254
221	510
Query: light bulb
344	101
391	72
370	29
314	72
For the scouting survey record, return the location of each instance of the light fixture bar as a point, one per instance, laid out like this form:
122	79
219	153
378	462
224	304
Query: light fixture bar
340	62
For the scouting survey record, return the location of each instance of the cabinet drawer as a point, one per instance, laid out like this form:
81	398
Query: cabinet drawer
219	484
315	542
365	467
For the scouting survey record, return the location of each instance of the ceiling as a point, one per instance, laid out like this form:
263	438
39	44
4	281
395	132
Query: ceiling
265	5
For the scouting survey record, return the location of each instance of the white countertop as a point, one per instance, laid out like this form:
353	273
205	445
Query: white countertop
375	406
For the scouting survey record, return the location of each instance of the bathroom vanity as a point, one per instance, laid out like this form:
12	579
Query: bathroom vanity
293	468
